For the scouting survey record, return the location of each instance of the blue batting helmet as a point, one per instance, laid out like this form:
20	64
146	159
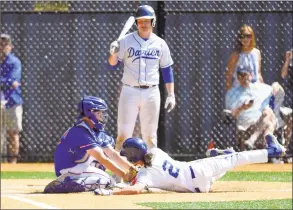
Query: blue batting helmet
89	104
146	12
134	149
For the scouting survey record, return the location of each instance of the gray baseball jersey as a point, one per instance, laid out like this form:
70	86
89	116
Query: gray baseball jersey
142	59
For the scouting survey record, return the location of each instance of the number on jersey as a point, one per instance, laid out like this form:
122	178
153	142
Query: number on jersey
173	171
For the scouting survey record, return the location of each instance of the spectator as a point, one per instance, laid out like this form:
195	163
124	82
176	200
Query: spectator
287	82
143	54
244	54
249	104
10	69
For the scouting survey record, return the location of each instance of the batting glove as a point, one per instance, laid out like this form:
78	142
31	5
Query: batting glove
170	102
100	191
114	47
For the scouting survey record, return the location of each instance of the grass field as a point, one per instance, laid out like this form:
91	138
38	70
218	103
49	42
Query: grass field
230	176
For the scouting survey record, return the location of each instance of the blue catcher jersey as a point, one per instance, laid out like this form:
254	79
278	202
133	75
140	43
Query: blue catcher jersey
74	143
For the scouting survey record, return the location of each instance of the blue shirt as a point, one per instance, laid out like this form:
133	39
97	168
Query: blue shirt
10	71
74	143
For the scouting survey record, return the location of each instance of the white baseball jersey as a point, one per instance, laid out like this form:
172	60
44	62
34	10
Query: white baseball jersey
166	173
142	59
196	176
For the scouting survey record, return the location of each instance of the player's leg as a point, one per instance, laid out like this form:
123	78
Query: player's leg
205	171
127	113
149	115
14	126
216	166
80	178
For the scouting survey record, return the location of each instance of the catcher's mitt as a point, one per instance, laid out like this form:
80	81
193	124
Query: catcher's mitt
131	174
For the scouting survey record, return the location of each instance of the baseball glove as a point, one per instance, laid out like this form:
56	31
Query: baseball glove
131	174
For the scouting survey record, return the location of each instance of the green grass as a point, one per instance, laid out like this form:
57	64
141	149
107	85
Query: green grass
258	176
230	176
257	204
27	175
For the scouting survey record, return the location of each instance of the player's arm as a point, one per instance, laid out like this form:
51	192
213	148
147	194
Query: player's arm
168	77
130	190
230	69
98	153
115	157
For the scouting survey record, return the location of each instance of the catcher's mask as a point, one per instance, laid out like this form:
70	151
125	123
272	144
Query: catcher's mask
88	107
134	149
146	12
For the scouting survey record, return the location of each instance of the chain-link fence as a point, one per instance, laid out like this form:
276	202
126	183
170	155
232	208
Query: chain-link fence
64	47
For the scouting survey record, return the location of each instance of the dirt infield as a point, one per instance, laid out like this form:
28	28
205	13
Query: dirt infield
20	194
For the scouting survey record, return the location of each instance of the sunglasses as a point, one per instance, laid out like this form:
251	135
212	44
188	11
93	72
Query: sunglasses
245	36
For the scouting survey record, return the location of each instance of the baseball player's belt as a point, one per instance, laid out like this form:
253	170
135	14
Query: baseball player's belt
142	86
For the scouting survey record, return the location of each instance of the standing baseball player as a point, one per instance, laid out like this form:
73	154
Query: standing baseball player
159	170
143	54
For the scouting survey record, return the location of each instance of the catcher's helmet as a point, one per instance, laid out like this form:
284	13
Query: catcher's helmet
134	149
89	104
146	12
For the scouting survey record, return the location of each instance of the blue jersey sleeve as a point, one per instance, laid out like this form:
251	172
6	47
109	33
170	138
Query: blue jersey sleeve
167	74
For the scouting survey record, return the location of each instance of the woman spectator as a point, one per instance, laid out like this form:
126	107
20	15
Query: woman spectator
244	54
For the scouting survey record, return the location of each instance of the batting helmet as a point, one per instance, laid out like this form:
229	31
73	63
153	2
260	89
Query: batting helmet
134	149
146	12
89	104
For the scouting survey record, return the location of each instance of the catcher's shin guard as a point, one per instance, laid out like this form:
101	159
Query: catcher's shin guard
75	184
65	186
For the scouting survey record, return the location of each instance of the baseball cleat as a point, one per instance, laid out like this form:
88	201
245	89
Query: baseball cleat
215	152
274	148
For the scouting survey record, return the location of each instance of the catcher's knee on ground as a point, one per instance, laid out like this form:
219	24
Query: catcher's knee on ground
70	184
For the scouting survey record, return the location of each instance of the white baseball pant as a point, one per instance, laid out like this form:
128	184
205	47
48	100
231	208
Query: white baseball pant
146	103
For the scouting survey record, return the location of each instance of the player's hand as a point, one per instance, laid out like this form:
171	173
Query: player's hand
131	174
114	47
100	191
170	102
